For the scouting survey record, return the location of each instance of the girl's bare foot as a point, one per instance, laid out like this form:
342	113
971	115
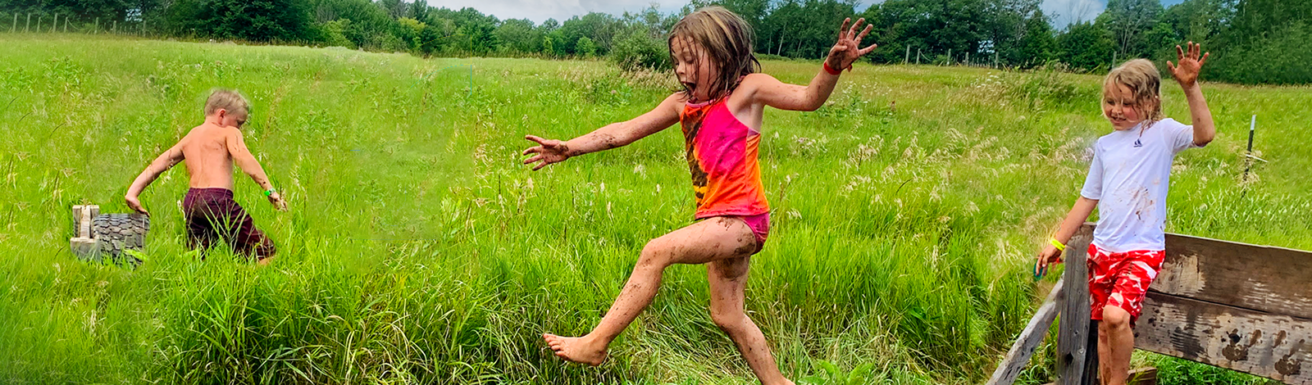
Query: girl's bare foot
577	349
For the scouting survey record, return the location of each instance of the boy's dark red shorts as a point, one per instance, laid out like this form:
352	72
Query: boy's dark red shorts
212	215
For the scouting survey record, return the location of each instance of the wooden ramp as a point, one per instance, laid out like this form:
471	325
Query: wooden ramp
1232	305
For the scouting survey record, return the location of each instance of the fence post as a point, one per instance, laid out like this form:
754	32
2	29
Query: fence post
904	61
949	57
15	27
96	30
995	59
27	26
55	25
968	58
65	24
114	29
1074	351
917	56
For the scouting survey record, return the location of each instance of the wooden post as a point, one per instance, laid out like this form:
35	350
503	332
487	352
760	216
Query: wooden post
1075	330
904	61
968	58
38	22
96	29
1019	355
917	56
29	23
114	29
54	25
65	24
995	59
949	57
15	27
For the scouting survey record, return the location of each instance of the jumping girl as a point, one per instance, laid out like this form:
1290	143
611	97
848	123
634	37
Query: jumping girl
720	110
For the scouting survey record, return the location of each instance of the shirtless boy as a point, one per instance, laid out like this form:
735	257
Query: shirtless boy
210	151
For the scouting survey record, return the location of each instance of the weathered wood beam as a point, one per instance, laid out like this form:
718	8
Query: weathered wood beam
1274	346
1029	339
1267	279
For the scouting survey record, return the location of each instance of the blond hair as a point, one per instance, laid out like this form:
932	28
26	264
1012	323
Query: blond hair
229	100
1144	81
728	40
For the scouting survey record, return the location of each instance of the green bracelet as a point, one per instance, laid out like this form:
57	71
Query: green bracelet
269	192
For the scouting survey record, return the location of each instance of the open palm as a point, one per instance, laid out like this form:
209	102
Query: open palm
848	48
1186	72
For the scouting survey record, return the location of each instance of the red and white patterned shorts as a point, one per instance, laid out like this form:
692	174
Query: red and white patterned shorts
1121	279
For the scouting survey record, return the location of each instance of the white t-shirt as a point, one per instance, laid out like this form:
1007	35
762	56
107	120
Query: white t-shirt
1129	177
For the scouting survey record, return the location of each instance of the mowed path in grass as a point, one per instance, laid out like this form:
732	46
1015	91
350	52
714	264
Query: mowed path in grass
417	248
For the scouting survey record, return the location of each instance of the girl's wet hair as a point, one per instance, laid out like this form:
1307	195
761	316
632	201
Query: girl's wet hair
726	38
1144	81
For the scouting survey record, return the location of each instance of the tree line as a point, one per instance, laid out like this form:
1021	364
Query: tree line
1252	41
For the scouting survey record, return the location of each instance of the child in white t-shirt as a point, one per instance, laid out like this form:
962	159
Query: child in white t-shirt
1128	182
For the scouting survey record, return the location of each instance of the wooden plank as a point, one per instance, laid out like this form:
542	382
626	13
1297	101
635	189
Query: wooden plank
1029	340
1275	346
1073	334
1268	279
1143	376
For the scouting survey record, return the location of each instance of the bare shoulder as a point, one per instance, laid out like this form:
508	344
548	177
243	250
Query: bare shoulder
673	103
754	81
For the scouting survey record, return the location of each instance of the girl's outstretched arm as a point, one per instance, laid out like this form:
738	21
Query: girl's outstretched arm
765	89
613	135
1186	73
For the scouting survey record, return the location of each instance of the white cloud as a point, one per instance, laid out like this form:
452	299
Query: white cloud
1065	12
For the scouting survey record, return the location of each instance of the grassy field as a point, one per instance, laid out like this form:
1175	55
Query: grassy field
418	249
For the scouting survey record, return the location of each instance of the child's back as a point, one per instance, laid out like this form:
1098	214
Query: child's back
209	161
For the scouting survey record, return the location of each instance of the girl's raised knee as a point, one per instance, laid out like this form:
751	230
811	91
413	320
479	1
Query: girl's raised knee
655	254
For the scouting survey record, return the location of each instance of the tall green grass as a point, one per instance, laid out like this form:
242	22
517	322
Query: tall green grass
418	249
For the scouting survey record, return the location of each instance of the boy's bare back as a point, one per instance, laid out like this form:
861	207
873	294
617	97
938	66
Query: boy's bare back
206	152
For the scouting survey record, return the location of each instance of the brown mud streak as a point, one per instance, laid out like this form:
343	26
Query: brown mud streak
1288	365
1237	352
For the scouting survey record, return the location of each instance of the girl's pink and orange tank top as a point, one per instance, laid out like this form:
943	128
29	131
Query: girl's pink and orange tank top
721	153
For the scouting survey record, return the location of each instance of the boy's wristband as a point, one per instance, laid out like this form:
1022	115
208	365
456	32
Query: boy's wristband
269	192
1058	245
831	70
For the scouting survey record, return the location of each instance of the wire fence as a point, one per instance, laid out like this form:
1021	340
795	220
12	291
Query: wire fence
45	22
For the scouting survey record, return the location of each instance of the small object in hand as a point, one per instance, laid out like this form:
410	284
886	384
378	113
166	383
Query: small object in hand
269	192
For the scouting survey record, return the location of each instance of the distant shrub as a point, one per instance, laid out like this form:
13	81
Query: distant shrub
333	33
639	50
585	47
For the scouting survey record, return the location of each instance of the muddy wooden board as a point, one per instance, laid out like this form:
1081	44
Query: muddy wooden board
1263	278
1275	346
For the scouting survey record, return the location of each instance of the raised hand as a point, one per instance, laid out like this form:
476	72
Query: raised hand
848	48
135	204
547	151
1189	64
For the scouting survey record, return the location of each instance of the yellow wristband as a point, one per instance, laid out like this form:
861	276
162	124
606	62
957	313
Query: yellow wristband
1058	245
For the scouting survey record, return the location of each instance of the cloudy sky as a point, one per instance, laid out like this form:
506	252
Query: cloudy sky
541	10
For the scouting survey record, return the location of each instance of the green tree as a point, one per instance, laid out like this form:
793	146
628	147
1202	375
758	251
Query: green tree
1086	46
518	36
253	20
585	47
1038	44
